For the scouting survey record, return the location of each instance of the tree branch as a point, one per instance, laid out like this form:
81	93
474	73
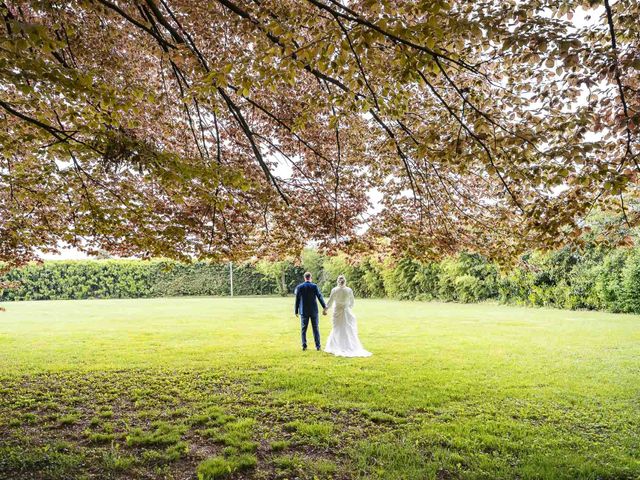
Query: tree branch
237	113
475	137
355	17
618	76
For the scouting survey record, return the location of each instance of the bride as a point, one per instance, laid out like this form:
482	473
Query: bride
343	339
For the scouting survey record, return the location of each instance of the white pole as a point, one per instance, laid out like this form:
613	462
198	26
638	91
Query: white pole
231	278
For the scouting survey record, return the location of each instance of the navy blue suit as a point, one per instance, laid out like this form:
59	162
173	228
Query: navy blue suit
306	306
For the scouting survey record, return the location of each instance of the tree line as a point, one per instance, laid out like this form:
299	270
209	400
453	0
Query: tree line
593	277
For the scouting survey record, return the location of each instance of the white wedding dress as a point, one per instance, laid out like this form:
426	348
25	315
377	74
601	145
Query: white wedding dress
343	340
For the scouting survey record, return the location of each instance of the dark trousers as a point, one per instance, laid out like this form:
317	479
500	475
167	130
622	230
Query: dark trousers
304	323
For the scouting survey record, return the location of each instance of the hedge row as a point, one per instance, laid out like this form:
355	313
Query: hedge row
131	279
590	278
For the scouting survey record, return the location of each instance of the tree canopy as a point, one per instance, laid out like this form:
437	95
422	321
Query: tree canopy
230	128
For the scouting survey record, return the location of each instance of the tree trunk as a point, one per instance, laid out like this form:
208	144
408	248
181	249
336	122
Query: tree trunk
283	281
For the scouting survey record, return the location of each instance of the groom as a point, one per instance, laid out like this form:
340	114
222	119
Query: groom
306	306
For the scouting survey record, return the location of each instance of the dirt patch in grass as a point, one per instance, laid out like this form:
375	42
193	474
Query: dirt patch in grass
158	424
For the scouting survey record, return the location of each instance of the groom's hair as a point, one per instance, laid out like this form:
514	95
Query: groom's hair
307	275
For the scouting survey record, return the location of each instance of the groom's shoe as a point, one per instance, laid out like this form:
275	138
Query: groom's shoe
304	349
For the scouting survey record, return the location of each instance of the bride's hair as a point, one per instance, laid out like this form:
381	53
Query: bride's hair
341	281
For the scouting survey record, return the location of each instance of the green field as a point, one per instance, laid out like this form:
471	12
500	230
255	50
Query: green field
169	388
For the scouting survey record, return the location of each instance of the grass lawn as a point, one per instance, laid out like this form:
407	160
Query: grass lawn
214	388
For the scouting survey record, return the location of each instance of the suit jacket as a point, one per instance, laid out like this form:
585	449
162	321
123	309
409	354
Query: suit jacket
306	294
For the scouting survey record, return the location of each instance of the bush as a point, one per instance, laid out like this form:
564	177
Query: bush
515	286
130	279
401	281
608	285
340	265
468	289
372	281
81	279
467	278
313	261
630	294
582	291
277	272
593	277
